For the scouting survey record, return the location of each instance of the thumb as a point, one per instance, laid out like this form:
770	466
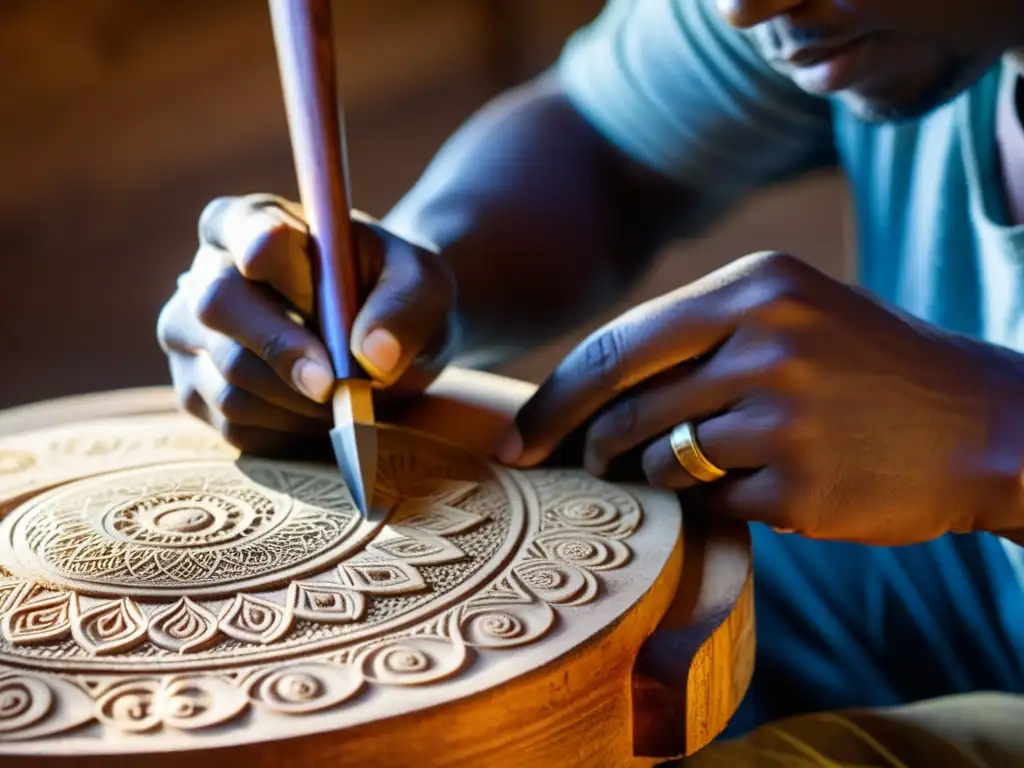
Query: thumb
407	317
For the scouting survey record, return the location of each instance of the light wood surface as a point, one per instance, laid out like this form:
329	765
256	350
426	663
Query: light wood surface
660	679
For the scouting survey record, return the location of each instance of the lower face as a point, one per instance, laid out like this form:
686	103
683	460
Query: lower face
884	75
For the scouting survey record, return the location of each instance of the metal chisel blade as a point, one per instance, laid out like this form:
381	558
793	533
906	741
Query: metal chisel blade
354	438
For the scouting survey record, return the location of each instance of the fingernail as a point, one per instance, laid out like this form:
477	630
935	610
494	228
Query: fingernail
313	379
380	353
510	448
783	530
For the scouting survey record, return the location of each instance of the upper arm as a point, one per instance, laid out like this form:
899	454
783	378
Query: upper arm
676	90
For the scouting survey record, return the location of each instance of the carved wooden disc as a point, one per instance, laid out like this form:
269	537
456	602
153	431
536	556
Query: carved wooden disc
171	596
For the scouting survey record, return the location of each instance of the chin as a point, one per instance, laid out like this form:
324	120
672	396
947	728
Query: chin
875	110
910	97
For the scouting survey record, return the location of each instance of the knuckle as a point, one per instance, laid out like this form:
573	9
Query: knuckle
785	368
265	251
793	434
600	360
655	470
215	298
232	403
782	302
777	265
278	347
190	401
166	323
211	221
622	419
398	299
425	284
232	364
779	295
439	275
231	432
613	428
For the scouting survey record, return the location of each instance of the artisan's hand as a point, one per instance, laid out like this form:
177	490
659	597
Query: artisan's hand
832	415
244	351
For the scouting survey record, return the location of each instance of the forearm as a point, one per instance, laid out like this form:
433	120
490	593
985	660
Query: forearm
541	221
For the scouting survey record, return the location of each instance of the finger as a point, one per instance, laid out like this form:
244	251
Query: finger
267	242
407	314
643	343
243	408
745	364
688	391
242	369
243	311
177	330
685	324
258	440
735	440
189	399
758	496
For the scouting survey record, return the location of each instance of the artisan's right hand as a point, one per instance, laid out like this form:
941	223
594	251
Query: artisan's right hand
241	336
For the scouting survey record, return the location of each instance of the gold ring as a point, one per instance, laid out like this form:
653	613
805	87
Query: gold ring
689	454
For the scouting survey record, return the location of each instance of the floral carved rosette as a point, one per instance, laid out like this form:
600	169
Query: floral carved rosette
214	595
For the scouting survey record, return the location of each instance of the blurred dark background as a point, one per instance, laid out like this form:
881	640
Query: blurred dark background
119	119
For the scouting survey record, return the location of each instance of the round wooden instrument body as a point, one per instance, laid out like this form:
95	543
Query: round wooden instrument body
161	595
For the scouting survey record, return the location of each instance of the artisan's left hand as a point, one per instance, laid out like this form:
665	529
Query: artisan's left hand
831	414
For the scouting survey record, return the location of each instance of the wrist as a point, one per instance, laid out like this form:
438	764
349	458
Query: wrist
1000	507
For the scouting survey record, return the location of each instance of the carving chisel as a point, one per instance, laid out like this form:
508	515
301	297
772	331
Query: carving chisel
305	52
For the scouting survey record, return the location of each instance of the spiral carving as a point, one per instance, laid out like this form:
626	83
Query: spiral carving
588	512
500	625
557	583
184	703
129	707
302	688
503	622
193	703
413	660
24	702
583	549
401	661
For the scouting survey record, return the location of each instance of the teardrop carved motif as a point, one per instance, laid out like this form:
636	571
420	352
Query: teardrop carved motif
38	621
324	602
417	549
429	507
252	619
391	578
11	591
183	627
111	627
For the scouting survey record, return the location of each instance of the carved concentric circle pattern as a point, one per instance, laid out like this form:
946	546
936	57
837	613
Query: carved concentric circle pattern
174	596
183	529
